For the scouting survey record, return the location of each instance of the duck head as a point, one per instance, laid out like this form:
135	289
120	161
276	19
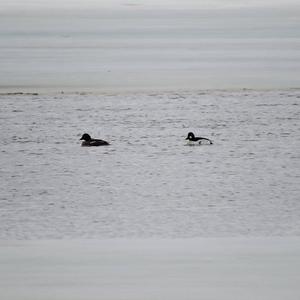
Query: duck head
86	137
190	136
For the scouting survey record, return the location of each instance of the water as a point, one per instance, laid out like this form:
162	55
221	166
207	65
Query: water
149	183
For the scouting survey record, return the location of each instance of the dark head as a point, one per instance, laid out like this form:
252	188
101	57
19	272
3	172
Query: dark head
190	135
86	137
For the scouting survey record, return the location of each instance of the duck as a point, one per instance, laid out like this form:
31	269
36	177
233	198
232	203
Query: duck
197	139
88	141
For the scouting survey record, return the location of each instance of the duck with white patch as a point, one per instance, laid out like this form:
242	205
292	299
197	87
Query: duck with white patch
89	142
193	140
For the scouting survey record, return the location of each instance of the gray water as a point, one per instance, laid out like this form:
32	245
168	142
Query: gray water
148	182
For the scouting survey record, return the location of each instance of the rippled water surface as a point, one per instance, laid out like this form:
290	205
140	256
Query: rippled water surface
149	182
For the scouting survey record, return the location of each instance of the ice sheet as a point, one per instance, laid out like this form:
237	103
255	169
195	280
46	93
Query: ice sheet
214	269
